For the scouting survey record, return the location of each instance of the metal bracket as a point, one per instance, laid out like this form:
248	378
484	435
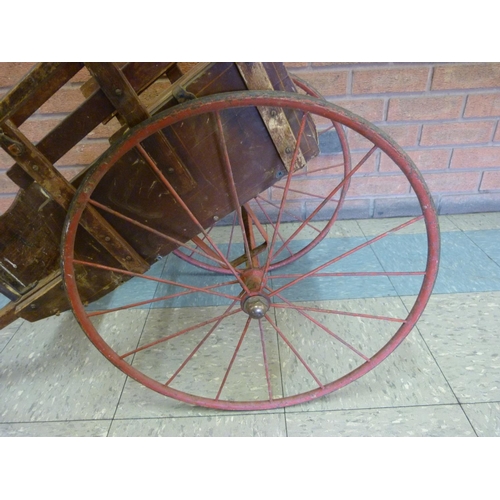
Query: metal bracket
182	95
14	148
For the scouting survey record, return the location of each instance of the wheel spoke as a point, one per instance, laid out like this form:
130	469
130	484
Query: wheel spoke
154	231
179	333
331	195
231	237
202	341
232	186
272	225
159	299
181	202
152	278
288	213
287	186
360	273
299	357
266	365
245	329
289	305
346	254
311	195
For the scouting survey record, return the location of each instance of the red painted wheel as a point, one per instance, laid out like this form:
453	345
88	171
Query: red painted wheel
265	337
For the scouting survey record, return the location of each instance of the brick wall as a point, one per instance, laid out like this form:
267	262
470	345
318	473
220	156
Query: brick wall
446	116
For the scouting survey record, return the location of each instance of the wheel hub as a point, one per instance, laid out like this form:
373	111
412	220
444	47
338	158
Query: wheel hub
256	306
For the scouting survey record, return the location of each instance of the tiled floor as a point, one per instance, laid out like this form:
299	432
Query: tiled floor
444	379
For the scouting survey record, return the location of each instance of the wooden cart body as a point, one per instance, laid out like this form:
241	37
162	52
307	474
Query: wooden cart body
188	156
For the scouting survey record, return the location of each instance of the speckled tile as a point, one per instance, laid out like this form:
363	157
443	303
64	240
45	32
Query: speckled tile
474	222
373	227
204	373
342	287
8	332
488	242
250	425
132	291
178	270
485	418
423	421
95	428
461	330
409	376
463	266
50	371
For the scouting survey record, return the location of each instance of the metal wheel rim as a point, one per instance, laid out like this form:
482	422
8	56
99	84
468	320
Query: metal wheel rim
220	102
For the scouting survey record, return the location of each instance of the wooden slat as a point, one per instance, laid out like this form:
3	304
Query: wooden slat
123	97
34	89
61	191
279	128
87	117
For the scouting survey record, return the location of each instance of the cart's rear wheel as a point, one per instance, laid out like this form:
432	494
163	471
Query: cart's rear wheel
261	338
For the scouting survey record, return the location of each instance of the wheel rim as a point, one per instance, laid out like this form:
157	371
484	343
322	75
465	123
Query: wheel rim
260	283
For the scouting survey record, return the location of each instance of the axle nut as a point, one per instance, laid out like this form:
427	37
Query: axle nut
256	306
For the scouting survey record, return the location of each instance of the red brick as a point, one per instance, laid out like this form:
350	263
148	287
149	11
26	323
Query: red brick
5	203
479	105
390	80
424	159
327	82
6	161
497	134
83	154
317	165
476	157
82	76
425	108
104	131
64	101
457	133
405	135
35	129
491	180
453	182
6	185
466	76
378	185
369	109
12	72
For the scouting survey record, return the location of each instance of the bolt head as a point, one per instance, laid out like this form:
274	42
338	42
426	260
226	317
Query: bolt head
257	306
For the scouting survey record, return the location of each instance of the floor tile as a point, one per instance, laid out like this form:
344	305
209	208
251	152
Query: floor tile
485	418
463	266
8	332
374	227
94	428
50	371
260	425
488	242
204	373
409	376
135	290
474	222
461	331
446	420
341	287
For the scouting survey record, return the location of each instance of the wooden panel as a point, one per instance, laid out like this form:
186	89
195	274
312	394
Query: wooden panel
87	117
34	89
123	97
62	192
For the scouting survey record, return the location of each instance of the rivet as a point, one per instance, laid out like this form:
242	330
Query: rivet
118	92
216	217
35	167
15	149
107	238
171	170
273	112
288	151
